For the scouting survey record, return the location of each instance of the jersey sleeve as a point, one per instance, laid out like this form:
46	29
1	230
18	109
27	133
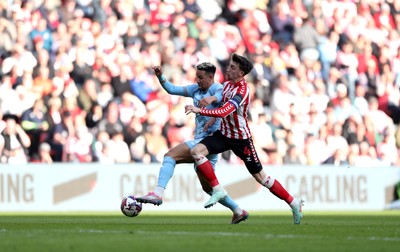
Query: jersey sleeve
177	90
226	109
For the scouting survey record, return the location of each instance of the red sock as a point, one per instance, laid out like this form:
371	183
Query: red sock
207	170
280	192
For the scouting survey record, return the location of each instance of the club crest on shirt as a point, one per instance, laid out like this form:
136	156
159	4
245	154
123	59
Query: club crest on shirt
229	94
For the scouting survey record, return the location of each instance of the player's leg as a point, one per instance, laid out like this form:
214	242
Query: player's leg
246	152
176	155
238	213
276	188
214	144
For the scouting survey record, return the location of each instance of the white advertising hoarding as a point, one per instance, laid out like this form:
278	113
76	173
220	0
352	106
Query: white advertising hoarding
79	187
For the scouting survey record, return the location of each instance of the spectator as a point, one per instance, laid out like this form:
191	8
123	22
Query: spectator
35	122
347	61
93	117
43	34
111	122
366	157
13	142
156	144
327	47
8	34
379	119
141	83
138	151
294	156
290	56
282	23
383	18
60	135
44	155
119	150
43	60
87	96
370	79
306	40
127	109
81	70
365	59
386	150
105	95
101	152
121	80
133	130
281	96
339	158
42	83
78	146
335	140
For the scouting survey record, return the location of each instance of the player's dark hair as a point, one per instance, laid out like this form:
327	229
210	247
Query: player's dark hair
207	67
244	64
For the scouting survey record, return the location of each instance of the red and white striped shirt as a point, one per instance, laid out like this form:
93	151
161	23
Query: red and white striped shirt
236	100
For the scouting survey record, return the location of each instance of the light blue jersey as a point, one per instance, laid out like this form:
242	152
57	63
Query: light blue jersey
194	92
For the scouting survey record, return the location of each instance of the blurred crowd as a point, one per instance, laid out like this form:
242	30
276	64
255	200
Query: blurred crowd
77	84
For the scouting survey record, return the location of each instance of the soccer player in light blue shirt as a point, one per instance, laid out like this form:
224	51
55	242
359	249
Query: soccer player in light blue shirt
206	94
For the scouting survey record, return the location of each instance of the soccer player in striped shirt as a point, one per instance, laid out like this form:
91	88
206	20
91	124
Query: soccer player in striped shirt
205	93
234	134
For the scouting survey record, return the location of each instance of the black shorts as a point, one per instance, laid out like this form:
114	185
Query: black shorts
243	148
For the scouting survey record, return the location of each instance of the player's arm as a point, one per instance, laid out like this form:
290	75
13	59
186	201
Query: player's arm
226	109
174	90
215	98
168	86
209	123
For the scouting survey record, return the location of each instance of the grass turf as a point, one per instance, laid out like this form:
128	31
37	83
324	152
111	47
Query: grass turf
203	231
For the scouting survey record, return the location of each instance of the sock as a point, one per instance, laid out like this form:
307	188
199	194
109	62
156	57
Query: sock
231	204
238	211
277	189
205	167
159	191
294	203
166	172
217	188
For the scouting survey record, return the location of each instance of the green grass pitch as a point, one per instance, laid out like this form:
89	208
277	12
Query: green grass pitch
200	231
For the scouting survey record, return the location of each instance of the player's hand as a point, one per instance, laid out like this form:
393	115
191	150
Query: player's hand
209	123
158	71
207	101
191	109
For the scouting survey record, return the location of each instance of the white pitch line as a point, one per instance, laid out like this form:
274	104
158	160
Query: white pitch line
374	238
100	231
265	236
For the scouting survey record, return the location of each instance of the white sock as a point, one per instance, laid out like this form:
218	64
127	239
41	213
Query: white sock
217	188
159	191
294	203
238	211
268	182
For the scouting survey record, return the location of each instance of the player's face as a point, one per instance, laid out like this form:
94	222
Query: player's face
203	79
233	72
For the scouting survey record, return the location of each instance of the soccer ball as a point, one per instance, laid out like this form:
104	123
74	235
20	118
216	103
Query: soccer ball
130	207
